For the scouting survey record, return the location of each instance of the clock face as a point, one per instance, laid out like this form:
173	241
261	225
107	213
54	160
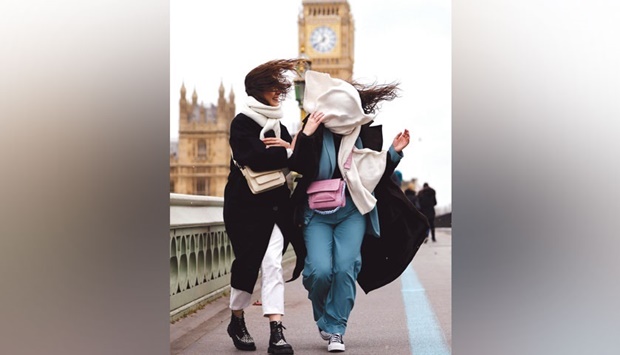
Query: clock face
323	39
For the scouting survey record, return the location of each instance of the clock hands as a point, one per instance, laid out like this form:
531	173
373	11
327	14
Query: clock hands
323	39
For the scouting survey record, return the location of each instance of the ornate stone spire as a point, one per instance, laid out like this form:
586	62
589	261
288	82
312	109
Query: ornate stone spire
221	88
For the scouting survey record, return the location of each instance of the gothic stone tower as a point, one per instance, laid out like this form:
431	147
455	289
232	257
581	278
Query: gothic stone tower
201	166
326	31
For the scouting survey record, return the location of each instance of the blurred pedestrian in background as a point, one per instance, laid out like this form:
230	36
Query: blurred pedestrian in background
427	200
411	196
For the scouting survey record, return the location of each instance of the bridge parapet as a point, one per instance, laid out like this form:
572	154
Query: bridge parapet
200	252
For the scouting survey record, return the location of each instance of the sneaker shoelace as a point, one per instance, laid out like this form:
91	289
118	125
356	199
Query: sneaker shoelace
336	338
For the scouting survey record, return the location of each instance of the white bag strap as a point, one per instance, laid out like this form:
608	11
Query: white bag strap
234	161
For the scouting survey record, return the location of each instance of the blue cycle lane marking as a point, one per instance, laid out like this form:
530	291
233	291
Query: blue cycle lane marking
425	334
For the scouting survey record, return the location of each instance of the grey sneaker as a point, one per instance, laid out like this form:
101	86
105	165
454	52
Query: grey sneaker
335	343
324	335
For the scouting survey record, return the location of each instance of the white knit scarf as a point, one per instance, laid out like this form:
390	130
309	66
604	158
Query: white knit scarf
266	116
342	106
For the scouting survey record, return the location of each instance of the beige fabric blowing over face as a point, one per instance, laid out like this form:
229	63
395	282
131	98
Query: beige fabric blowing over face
340	102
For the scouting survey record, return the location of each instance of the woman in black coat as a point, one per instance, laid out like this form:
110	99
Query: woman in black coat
259	226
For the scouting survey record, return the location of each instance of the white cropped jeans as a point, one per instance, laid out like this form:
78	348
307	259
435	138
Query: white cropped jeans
272	281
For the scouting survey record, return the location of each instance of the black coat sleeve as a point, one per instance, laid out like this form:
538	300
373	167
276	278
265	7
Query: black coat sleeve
306	153
249	150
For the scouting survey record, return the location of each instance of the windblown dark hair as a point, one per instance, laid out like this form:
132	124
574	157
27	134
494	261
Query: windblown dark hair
371	95
269	76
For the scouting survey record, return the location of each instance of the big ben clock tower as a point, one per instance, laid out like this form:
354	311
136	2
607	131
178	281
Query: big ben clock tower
326	36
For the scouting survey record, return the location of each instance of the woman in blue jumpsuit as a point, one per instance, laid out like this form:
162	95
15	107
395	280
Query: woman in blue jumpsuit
341	113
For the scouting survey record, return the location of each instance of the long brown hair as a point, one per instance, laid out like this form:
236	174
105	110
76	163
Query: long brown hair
269	76
372	94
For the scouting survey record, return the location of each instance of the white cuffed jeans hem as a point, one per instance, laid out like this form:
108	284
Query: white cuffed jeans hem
272	281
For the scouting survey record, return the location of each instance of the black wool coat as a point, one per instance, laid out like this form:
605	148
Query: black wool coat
403	228
249	218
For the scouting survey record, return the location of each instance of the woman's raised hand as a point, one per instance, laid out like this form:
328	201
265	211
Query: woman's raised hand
401	141
314	121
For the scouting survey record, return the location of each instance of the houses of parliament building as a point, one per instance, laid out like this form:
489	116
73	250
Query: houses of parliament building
200	161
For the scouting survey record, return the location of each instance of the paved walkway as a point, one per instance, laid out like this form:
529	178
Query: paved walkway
412	315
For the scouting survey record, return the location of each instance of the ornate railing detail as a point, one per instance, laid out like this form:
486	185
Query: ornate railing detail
200	253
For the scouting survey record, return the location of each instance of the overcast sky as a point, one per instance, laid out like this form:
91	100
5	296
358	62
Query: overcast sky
213	42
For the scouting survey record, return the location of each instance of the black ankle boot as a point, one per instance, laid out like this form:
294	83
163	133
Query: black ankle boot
239	333
277	343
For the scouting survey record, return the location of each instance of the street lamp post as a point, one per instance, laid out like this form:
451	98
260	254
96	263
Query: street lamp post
303	65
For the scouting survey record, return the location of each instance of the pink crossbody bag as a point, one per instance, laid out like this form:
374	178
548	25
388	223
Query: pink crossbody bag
327	196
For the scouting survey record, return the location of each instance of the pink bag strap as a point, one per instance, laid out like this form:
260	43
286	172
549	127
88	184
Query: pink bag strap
347	164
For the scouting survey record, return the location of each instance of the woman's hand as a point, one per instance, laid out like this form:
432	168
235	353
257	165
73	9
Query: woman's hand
314	121
401	141
276	142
